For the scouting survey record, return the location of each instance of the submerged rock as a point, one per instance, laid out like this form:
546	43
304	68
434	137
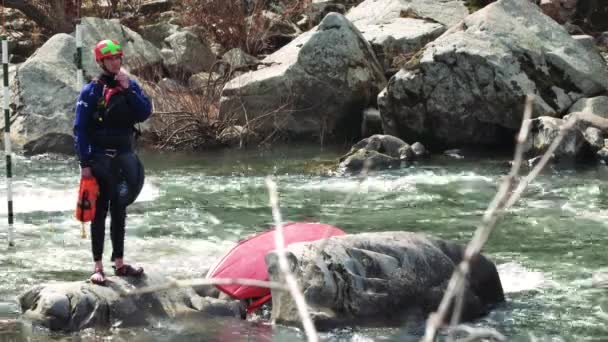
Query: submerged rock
379	152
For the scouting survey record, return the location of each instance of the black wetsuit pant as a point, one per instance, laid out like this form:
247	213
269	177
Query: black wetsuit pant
108	174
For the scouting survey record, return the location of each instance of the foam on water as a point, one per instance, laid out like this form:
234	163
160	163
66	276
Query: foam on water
28	197
516	278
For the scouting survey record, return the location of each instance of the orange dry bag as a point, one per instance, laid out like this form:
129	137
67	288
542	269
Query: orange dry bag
87	198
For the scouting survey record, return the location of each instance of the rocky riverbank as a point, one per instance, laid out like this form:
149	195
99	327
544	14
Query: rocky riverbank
422	71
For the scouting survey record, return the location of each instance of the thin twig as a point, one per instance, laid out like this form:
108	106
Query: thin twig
496	207
298	297
205	281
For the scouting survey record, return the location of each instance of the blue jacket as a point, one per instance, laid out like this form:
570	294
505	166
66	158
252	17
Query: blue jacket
86	107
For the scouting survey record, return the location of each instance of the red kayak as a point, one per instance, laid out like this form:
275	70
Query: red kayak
247	258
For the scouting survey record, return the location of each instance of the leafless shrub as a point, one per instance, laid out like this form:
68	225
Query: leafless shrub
187	119
233	25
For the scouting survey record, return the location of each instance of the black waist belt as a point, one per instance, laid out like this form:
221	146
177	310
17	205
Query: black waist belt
117	142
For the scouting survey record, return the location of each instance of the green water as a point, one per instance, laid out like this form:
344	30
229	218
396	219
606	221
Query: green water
195	207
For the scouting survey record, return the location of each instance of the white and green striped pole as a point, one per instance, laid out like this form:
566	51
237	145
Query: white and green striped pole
7	143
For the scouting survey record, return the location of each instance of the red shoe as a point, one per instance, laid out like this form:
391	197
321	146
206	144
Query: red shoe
127	270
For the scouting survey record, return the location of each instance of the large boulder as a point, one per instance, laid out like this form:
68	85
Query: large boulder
75	306
445	12
186	54
45	90
316	87
379	279
468	86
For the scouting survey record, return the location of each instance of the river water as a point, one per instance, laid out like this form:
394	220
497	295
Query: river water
193	208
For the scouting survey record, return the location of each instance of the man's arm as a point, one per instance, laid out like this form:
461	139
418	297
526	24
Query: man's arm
142	107
84	111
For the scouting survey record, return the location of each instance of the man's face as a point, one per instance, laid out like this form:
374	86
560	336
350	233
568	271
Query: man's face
112	64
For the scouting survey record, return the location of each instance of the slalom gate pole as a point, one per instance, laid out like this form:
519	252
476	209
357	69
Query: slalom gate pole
79	71
7	143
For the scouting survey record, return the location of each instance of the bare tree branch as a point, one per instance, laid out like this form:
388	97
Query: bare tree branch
504	199
292	284
456	284
206	281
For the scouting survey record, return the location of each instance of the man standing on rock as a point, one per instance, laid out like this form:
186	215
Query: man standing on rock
104	128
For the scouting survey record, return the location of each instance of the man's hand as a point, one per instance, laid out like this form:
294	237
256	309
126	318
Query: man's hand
123	79
86	172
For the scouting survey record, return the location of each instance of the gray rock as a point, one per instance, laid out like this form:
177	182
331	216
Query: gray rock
597	105
280	31
50	143
376	153
469	84
78	305
379	279
386	144
445	12
602	155
318	9
237	58
544	130
316	87
186	55
45	91
157	33
369	160
587	41
602	39
398	37
419	150
595	137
